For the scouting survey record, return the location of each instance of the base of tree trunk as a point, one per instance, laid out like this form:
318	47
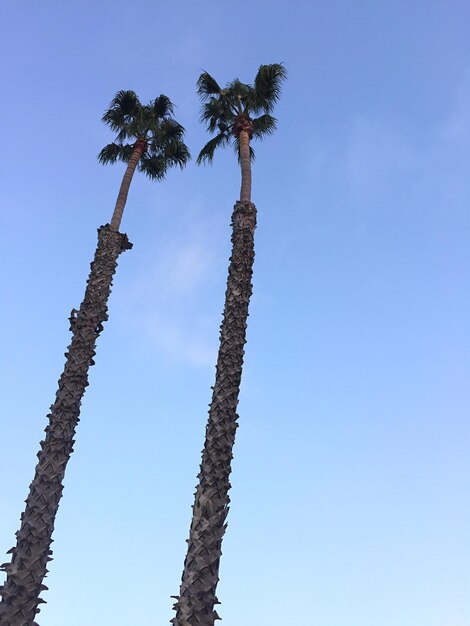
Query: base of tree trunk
28	566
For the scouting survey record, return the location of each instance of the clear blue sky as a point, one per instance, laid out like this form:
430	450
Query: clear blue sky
350	498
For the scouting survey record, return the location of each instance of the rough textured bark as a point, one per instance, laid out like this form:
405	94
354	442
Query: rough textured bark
195	604
139	147
28	566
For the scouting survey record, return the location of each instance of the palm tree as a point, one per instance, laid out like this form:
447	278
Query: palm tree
230	113
156	143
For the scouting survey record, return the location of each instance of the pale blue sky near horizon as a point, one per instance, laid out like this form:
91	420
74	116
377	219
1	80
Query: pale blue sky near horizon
351	473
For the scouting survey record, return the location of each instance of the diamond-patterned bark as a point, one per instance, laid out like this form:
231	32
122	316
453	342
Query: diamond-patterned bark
28	566
195	604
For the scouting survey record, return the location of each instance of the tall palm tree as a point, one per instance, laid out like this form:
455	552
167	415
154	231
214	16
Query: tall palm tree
155	144
229	112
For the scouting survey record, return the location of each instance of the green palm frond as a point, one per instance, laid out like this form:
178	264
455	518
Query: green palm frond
207	86
267	87
127	101
123	112
132	129
207	153
176	153
215	111
264	125
154	167
238	95
170	129
163	106
115	152
237	88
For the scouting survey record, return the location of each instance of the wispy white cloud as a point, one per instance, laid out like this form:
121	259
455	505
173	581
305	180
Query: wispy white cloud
175	302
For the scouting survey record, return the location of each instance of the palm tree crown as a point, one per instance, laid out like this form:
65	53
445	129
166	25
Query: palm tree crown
152	126
147	137
233	109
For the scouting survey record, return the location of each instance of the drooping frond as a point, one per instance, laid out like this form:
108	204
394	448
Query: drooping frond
176	152
154	166
207	86
123	113
207	153
127	101
115	152
170	129
267	87
166	144
162	106
264	125
217	111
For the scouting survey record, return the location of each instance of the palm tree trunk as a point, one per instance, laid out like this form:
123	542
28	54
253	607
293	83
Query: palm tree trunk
245	164
28	566
139	148
195	604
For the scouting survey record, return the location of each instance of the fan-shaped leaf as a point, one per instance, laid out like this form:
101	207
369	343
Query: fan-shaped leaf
207	153
264	125
207	85
115	152
122	111
154	167
238	89
217	111
267	87
176	153
162	106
